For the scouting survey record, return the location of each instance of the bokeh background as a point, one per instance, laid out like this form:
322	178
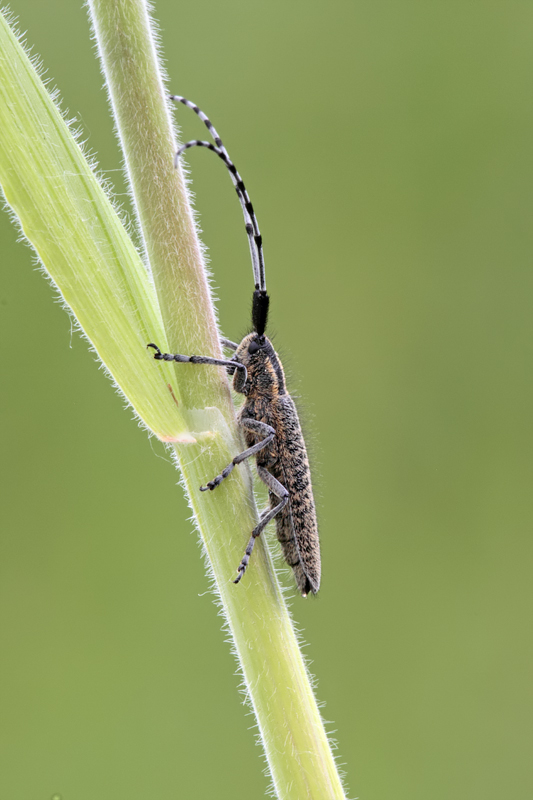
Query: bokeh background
387	148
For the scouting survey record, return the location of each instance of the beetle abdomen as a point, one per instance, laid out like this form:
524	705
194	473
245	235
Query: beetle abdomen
297	527
286	459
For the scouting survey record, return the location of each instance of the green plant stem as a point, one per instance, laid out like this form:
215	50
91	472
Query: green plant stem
78	237
129	62
82	244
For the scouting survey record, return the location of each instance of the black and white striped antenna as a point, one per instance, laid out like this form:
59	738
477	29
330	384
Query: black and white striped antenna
255	240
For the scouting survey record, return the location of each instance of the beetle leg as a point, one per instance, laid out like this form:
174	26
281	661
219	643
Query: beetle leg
252	425
217	362
280	491
228	343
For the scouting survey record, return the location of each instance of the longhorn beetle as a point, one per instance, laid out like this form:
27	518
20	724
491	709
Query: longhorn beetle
268	415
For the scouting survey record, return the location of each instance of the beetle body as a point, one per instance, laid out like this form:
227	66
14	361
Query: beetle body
268	417
268	401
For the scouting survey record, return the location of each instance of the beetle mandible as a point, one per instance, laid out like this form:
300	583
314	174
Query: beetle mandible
268	416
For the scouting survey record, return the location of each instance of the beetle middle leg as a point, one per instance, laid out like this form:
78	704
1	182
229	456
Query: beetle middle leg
280	491
248	424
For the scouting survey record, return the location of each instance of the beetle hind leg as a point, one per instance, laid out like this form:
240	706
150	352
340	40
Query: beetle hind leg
280	491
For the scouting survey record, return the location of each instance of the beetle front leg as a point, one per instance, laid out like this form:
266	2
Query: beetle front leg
216	362
228	343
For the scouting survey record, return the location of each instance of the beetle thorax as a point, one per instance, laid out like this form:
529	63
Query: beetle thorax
265	373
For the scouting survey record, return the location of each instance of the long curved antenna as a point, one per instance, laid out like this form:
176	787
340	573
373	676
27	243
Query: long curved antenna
252	226
254	236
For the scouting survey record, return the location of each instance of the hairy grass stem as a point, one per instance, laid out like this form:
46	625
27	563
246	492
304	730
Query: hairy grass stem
121	304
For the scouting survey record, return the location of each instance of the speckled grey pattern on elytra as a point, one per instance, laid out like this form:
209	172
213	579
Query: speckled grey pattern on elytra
285	457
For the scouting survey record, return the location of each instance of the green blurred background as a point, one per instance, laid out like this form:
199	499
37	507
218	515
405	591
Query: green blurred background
387	148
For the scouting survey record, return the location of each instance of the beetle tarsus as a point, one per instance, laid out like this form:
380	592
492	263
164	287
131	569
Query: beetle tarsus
158	354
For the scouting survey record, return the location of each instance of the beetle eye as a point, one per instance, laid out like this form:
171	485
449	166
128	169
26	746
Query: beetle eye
253	347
